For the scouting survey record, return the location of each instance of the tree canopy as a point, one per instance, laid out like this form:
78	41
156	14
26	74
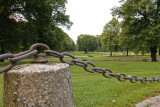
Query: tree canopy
87	43
141	23
42	21
68	44
110	35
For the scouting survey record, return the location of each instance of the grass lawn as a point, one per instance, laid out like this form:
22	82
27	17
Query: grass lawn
116	58
81	53
147	57
98	56
104	56
93	90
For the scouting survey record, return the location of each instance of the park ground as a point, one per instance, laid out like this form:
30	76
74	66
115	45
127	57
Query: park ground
93	90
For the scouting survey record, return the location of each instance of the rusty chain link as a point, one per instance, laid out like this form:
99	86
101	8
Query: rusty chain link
107	73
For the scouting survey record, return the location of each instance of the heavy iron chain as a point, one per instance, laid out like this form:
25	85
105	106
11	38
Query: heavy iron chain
13	58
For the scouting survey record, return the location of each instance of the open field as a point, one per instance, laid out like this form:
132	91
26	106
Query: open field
93	90
114	58
93	56
81	53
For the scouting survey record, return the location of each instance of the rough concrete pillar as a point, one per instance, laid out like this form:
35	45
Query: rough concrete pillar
38	85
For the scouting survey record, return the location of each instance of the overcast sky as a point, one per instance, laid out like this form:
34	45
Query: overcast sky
88	16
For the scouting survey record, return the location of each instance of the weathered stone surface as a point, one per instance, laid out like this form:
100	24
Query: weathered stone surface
38	85
151	102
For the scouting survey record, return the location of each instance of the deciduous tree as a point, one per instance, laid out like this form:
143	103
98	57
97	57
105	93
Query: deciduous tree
110	35
87	43
42	21
68	44
141	23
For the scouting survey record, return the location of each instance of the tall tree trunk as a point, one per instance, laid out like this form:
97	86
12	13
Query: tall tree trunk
127	51
2	47
153	53
111	53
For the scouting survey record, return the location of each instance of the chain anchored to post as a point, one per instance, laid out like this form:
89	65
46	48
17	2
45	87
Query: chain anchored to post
40	58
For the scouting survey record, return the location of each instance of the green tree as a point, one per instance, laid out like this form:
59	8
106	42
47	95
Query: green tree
99	43
110	35
46	15
9	28
87	43
141	23
42	21
54	38
68	44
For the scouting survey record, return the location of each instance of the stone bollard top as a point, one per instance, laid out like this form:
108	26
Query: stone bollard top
28	68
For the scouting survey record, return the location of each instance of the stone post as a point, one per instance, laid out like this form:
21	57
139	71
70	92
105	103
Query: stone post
38	85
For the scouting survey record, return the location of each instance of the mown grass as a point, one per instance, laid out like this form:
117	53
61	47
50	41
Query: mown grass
98	56
93	90
104	56
116	57
81	53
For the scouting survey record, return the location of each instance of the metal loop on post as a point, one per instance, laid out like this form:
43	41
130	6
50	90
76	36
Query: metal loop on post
39	58
34	46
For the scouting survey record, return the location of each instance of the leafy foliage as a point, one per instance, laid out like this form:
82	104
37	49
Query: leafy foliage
68	44
141	23
42	21
110	35
87	43
100	48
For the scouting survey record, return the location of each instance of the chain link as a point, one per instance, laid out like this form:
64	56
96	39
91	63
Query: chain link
24	56
8	55
86	69
64	61
107	73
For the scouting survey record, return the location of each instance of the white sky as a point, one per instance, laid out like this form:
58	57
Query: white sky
88	16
